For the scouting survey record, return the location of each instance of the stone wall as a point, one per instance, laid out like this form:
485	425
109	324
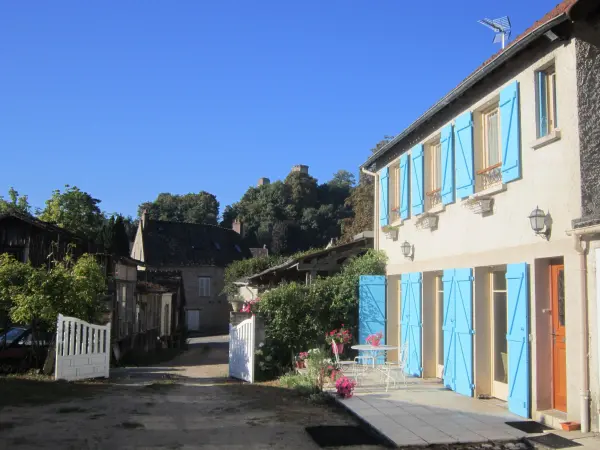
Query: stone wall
588	100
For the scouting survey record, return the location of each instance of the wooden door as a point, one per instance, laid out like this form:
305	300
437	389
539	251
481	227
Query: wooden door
559	345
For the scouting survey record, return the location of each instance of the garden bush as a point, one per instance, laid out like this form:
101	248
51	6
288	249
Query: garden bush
297	316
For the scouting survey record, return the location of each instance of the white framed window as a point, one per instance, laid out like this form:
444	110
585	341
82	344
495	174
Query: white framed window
433	174
204	286
394	193
490	171
546	97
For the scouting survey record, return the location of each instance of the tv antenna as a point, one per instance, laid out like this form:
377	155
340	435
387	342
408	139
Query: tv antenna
500	26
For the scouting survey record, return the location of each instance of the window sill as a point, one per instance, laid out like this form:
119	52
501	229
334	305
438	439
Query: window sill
397	223
492	190
440	207
548	139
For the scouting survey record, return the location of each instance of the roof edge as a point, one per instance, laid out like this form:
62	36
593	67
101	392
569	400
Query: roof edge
467	83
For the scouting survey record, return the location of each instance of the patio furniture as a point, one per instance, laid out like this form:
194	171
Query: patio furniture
392	368
374	351
345	367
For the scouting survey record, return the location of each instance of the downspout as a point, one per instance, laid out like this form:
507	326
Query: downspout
375	207
581	248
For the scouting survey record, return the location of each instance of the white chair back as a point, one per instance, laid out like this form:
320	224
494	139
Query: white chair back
402	360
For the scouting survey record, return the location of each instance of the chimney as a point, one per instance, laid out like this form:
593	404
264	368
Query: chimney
263	181
300	168
238	227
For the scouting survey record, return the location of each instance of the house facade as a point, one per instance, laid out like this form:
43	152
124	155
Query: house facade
489	283
200	253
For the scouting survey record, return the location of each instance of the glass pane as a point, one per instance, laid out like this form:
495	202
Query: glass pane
438	165
561	297
499	281
500	345
492	138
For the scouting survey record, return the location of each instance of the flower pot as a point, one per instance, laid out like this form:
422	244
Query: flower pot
570	426
376	342
340	347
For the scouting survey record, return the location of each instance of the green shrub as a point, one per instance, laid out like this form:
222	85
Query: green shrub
298	316
246	267
302	383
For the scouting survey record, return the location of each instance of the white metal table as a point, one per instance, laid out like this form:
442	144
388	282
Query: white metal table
374	349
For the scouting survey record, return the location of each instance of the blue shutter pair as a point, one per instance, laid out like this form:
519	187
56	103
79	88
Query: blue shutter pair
458	330
510	143
371	308
411	322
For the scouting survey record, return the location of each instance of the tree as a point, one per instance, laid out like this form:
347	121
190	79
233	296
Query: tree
16	203
113	236
74	210
361	203
202	207
342	179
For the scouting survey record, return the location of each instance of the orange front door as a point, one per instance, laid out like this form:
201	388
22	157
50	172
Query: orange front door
559	345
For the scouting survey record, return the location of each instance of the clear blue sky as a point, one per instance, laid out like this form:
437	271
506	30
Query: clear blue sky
127	99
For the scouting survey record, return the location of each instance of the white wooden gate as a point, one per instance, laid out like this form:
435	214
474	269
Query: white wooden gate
82	349
241	350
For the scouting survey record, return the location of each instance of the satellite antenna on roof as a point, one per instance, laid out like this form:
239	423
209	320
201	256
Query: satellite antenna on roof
501	26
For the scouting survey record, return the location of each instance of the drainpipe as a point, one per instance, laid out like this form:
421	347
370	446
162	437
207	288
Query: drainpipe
581	248
375	208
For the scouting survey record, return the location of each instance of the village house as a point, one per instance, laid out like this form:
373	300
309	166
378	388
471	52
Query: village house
200	253
487	207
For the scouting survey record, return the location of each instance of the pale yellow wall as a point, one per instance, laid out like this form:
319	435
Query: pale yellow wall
550	180
248	293
429	359
482	345
392	316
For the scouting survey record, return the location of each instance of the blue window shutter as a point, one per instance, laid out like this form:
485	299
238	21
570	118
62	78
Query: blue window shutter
517	337
405	313
542	113
464	331
448	328
510	133
404	187
447	142
417	185
383	197
371	306
415	325
463	134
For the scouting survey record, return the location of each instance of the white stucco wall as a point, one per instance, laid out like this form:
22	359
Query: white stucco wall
550	180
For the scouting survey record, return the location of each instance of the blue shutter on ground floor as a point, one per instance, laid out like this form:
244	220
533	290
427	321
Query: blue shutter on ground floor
371	306
415	325
449	318
463	157
383	197
447	143
517	337
464	331
417	185
510	132
404	187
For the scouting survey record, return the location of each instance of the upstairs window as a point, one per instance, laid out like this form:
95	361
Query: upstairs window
394	193
490	167
433	174
546	99
204	286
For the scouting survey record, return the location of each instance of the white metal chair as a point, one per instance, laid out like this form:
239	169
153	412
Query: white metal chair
348	368
391	369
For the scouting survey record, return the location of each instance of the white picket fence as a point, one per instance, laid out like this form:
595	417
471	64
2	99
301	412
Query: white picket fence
242	340
82	349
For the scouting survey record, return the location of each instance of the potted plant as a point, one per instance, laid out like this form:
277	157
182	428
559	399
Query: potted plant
344	387
250	306
301	360
375	339
390	231
338	338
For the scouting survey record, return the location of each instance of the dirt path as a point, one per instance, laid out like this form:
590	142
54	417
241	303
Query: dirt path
146	408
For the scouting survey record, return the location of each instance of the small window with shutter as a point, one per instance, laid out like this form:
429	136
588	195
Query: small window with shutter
433	174
546	101
204	286
394	192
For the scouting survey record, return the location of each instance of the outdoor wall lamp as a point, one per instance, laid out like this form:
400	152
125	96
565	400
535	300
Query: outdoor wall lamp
540	223
407	250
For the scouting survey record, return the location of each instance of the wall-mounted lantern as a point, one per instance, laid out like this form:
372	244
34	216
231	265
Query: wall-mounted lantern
407	250
540	223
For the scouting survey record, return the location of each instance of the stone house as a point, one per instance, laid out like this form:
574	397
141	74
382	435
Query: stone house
487	207
200	253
